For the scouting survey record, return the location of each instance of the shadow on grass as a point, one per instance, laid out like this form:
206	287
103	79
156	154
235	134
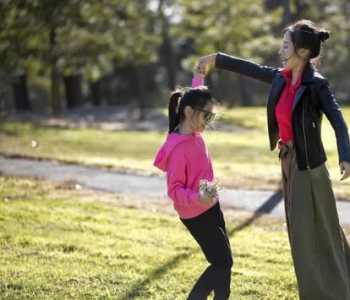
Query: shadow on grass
265	208
137	288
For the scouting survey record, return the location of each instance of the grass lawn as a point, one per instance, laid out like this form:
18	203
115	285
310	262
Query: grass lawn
241	158
57	242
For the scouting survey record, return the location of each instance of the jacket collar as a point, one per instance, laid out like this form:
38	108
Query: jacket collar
307	78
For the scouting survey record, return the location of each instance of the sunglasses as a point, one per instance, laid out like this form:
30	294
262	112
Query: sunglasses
208	115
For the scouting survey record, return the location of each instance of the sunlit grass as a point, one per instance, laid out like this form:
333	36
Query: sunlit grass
241	157
245	117
58	243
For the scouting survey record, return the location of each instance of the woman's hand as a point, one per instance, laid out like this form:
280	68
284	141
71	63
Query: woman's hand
207	59
344	170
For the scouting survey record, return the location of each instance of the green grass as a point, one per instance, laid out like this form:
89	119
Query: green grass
241	158
61	243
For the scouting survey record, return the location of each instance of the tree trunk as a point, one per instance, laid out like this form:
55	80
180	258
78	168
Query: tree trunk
169	62
55	76
140	92
95	89
20	93
73	90
345	9
246	95
300	9
287	15
167	52
55	91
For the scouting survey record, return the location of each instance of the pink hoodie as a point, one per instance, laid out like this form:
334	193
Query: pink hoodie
186	161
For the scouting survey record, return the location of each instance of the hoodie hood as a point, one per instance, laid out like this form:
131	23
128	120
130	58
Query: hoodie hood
173	139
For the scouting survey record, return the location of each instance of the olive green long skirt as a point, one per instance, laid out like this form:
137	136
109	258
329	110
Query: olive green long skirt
320	251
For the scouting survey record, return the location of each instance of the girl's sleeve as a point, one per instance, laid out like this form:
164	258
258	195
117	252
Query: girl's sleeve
197	81
176	180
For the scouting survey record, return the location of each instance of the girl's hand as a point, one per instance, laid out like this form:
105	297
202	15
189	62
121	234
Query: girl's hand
206	200
199	71
344	170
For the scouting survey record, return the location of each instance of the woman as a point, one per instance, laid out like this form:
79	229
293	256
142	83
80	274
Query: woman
298	98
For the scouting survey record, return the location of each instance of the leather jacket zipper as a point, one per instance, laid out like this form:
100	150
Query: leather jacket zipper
305	143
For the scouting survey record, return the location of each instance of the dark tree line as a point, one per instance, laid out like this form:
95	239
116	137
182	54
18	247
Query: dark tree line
63	54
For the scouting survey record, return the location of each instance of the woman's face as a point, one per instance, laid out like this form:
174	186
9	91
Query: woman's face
289	58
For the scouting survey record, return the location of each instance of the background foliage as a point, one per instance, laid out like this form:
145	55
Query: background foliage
64	54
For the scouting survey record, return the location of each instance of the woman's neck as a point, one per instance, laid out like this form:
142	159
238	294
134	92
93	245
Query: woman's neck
297	70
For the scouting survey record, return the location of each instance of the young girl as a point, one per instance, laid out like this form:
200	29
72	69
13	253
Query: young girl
185	158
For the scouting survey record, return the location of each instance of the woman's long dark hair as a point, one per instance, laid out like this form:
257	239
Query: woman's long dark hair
196	98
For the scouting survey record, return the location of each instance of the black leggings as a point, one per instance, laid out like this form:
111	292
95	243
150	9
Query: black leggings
209	230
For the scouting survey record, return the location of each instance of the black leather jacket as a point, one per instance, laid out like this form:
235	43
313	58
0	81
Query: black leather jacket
313	98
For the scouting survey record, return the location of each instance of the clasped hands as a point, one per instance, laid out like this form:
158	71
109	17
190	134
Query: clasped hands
200	70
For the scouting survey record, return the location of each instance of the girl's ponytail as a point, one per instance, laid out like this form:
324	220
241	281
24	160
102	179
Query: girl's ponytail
173	113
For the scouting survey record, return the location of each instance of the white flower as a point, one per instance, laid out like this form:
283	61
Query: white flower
209	189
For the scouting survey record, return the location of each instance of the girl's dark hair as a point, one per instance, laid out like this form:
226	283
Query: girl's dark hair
305	34
196	98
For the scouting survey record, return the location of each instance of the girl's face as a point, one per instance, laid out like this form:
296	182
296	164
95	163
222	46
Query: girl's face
289	57
202	117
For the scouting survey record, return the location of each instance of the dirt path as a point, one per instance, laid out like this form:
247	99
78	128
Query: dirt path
255	202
